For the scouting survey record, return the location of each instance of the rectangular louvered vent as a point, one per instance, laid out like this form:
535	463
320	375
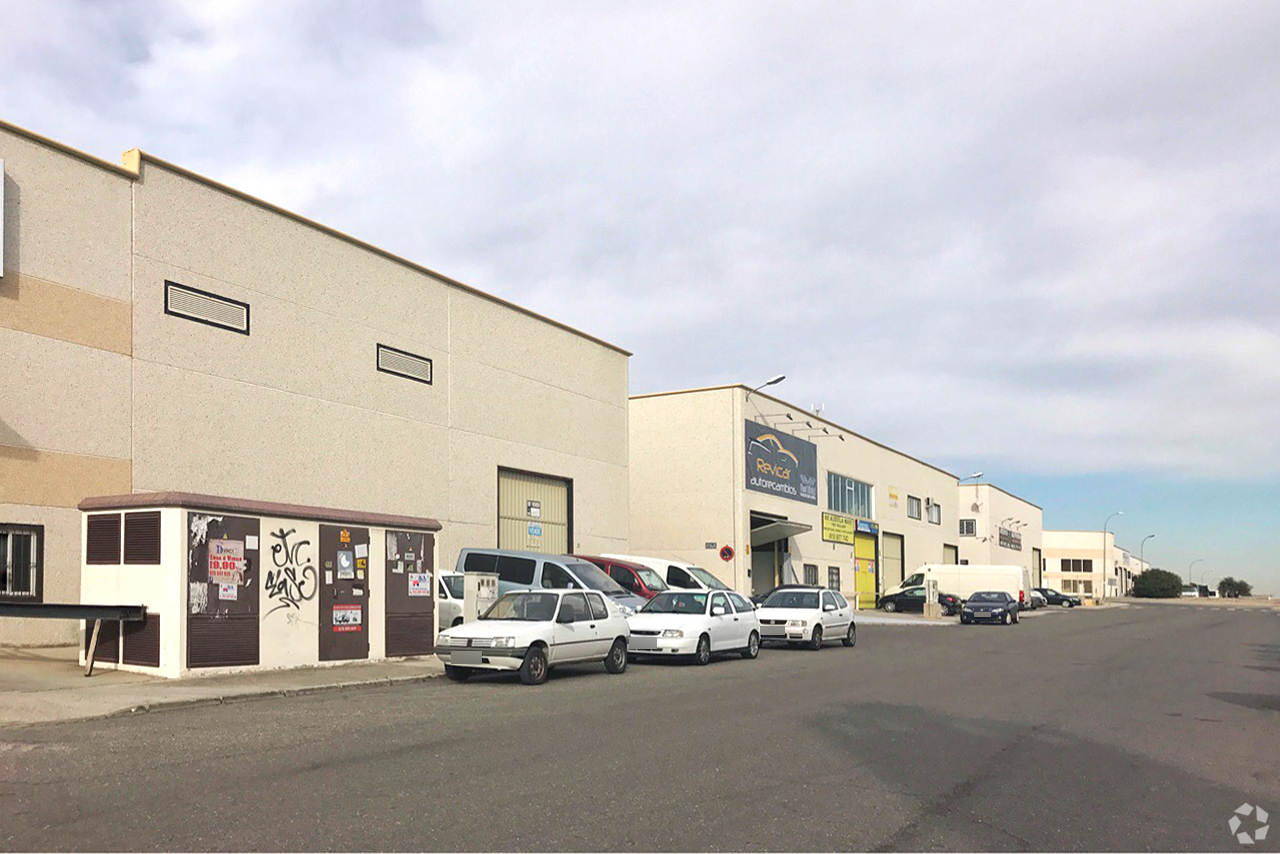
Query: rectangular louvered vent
204	307
142	537
402	364
102	543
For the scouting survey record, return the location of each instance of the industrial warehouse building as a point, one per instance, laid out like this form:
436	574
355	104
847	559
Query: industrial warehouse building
1083	563
999	528
762	492
161	333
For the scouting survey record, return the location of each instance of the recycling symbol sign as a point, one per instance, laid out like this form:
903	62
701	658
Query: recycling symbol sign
1260	821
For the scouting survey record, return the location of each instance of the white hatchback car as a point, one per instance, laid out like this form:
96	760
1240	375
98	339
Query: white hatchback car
695	622
809	615
531	631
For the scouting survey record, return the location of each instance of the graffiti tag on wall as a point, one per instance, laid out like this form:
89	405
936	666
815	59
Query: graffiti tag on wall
293	579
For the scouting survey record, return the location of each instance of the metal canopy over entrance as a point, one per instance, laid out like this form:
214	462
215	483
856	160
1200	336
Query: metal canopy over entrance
774	531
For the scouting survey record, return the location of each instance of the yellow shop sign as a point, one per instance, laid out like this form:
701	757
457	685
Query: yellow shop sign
838	529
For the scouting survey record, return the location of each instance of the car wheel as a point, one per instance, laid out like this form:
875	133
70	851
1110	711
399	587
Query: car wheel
815	642
851	637
1007	619
534	669
890	607
753	646
617	660
457	674
964	621
702	655
1016	617
457	621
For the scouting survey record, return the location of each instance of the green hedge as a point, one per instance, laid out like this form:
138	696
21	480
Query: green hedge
1157	584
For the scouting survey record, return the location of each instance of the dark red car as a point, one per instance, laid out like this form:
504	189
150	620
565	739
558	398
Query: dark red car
640	580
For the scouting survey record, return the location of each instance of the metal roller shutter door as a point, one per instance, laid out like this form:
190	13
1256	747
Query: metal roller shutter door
534	512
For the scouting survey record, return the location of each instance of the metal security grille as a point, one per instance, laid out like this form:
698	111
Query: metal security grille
535	512
402	364
102	542
20	563
142	642
142	537
204	307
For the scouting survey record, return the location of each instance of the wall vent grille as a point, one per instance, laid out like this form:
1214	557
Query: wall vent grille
204	307
402	364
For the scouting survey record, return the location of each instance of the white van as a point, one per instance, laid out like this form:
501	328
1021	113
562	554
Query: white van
677	574
964	580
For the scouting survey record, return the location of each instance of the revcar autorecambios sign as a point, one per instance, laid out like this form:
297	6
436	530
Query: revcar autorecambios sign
780	464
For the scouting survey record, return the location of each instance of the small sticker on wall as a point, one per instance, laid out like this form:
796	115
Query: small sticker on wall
419	584
357	591
228	592
346	565
251	542
348	618
362	549
328	576
397	566
408	556
362	562
360	574
198	599
345	536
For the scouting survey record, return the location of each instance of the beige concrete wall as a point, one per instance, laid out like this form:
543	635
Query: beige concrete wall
688	486
65	339
1083	545
989	506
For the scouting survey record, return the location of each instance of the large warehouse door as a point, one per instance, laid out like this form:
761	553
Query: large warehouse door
891	562
535	512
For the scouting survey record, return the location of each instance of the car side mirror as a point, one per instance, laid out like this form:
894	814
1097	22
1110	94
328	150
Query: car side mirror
717	611
828	607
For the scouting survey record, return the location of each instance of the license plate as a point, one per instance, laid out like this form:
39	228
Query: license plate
467	656
640	644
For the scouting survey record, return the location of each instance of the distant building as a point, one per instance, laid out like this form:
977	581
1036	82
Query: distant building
999	528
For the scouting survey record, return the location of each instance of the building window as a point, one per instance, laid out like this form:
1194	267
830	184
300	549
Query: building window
1077	565
21	567
848	496
968	527
935	513
913	507
811	573
833	578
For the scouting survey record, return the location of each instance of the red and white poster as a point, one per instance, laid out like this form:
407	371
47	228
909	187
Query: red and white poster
226	561
348	618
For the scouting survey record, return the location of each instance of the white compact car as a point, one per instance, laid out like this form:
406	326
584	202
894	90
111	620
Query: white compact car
531	631
449	598
808	615
700	623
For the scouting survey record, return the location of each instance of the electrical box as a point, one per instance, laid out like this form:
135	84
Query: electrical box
931	607
479	592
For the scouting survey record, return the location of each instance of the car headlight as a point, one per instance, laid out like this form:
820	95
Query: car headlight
797	624
627	610
502	643
673	633
997	610
968	610
443	640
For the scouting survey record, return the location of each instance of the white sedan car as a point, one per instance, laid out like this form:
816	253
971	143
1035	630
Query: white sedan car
698	623
531	631
809	615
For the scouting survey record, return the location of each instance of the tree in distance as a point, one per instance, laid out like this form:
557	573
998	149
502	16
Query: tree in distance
1230	588
1157	584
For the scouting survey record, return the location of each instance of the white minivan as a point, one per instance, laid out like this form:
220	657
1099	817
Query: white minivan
677	574
963	580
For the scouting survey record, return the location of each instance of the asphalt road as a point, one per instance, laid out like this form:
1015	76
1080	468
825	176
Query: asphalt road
1116	729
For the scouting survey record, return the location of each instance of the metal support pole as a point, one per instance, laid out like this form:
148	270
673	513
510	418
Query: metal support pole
93	648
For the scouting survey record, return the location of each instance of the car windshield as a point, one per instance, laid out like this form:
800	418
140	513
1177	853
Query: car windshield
987	597
454	585
791	599
596	578
677	603
524	605
706	578
651	579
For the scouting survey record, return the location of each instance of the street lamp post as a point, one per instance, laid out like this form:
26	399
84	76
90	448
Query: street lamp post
1193	563
1106	567
1141	548
779	378
975	476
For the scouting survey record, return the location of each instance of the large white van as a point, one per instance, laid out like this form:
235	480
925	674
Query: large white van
677	574
964	580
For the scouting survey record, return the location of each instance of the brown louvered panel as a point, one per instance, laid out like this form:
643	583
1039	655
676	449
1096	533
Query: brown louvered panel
142	537
108	648
102	545
410	634
142	642
225	641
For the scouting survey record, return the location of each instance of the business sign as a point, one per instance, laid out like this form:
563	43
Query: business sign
226	562
780	464
419	584
838	529
866	527
348	618
1010	540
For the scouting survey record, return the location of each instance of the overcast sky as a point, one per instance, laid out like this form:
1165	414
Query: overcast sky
1040	239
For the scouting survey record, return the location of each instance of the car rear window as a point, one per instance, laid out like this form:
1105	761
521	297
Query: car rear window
516	570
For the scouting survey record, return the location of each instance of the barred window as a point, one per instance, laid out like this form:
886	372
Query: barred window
968	527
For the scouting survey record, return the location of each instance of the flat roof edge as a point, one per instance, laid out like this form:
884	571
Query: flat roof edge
106	165
1006	492
782	402
369	247
197	501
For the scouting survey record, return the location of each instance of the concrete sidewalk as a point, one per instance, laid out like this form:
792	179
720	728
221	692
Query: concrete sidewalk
47	684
